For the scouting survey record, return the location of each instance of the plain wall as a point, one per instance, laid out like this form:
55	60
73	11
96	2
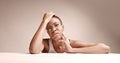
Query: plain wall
84	20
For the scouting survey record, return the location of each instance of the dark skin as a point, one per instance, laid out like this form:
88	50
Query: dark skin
60	43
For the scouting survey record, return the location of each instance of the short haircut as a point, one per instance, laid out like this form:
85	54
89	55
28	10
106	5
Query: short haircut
54	16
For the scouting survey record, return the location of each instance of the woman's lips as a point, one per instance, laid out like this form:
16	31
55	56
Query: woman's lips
55	34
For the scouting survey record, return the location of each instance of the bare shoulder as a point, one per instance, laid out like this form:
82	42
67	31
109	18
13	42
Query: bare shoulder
73	41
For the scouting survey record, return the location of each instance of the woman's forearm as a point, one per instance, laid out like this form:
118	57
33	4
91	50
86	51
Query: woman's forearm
36	45
100	48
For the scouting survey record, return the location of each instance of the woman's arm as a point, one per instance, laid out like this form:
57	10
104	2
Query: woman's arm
83	47
36	45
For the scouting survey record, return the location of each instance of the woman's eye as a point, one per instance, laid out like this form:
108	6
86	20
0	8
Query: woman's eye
49	28
56	25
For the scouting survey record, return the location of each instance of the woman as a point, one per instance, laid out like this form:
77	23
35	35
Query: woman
58	42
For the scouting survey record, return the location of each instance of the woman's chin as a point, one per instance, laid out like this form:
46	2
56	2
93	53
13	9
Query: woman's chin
56	38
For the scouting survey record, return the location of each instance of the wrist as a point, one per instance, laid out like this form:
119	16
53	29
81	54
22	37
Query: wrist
70	50
73	50
45	21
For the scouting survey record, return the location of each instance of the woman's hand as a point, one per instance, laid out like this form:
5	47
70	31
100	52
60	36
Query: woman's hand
47	16
64	45
68	47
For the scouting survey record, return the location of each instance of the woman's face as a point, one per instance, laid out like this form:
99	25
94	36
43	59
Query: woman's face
55	28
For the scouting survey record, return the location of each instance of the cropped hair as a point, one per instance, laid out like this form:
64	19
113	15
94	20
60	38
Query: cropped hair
58	18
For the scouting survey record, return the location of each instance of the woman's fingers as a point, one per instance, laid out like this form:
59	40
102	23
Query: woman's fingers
47	16
64	46
61	45
58	36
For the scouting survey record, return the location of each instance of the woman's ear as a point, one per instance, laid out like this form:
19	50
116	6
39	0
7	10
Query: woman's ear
63	27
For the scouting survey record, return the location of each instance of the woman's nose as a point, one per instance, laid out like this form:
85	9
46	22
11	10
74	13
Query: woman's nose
54	29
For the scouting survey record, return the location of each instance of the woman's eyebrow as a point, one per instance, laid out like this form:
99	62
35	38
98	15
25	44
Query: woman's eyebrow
55	22
48	26
51	25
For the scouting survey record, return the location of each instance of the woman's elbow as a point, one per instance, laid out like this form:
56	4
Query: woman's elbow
105	48
34	51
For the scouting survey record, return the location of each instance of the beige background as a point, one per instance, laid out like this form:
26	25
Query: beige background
84	20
